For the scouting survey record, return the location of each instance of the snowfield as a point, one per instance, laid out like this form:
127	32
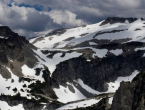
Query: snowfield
70	38
73	43
65	95
82	34
7	86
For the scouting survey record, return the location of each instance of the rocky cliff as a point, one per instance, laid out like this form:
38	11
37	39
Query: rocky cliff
76	68
130	95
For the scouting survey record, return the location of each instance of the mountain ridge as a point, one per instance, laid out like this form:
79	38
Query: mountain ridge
73	64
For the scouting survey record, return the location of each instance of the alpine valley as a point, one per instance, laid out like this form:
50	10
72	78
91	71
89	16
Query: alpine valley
91	67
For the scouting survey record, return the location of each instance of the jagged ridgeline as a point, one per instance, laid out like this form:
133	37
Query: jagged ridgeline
15	51
78	68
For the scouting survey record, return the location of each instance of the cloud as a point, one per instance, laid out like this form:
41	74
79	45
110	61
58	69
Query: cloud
63	13
22	18
29	22
65	17
128	3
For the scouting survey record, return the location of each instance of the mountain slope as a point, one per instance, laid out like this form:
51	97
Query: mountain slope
18	71
97	46
69	68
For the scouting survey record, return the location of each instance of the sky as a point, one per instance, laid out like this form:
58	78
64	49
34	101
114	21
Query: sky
32	18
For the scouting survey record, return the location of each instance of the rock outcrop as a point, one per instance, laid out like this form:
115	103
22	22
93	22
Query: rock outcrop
112	20
130	95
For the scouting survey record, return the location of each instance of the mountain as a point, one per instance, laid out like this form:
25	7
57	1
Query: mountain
91	67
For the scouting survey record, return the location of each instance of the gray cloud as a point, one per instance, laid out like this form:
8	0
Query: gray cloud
64	13
30	22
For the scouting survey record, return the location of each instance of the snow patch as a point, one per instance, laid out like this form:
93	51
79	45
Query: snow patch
7	85
86	87
93	43
51	63
65	95
143	48
30	73
4	106
126	22
113	86
98	52
117	52
110	100
2	37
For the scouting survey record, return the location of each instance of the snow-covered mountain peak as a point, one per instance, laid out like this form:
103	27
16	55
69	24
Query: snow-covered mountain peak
68	38
75	67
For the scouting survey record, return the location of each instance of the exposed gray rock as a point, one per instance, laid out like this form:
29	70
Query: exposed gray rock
112	20
98	71
130	96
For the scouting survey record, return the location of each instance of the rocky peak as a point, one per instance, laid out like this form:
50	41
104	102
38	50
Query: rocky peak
5	31
8	37
113	20
13	47
130	95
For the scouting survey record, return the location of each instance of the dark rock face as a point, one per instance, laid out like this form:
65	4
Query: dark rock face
38	39
16	48
112	20
41	91
114	31
130	96
101	105
57	32
53	106
30	104
11	45
99	71
126	47
123	98
17	99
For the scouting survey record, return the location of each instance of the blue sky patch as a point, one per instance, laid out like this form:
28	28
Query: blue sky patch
37	7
